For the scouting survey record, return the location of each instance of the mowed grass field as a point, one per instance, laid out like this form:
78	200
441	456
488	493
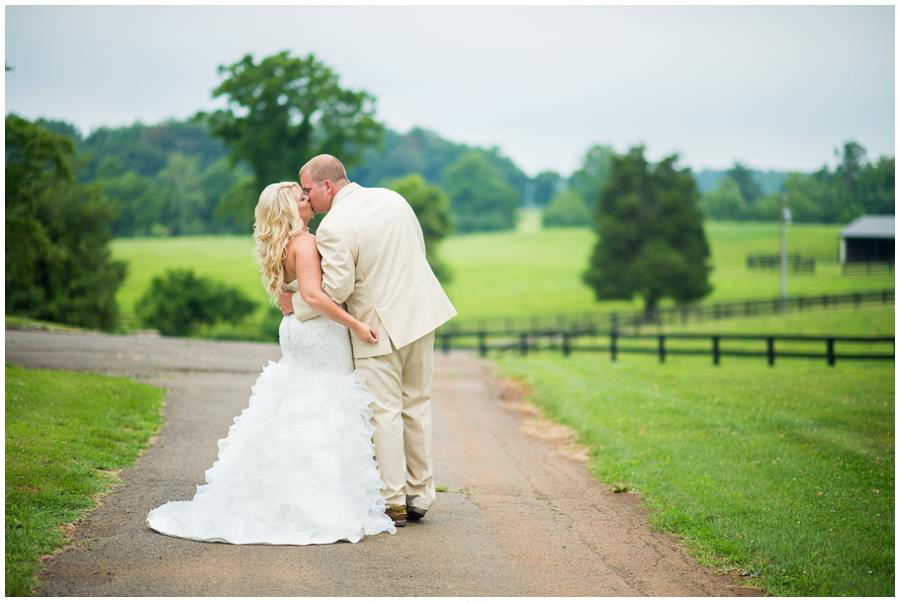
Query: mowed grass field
527	272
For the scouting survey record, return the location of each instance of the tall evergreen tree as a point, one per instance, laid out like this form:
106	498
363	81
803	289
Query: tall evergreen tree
651	238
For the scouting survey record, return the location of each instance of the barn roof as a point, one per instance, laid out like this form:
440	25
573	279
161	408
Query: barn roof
870	227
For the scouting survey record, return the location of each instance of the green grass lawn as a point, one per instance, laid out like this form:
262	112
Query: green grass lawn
535	273
66	434
526	272
872	319
785	472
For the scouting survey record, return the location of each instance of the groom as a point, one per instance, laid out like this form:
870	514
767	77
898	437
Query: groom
373	260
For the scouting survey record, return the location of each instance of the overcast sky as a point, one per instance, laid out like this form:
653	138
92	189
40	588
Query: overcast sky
776	87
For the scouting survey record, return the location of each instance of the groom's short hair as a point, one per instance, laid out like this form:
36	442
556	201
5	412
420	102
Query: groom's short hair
324	167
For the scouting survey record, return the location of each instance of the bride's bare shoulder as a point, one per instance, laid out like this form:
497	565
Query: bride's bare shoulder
303	244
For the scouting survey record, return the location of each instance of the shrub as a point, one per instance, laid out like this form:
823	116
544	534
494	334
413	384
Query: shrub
179	302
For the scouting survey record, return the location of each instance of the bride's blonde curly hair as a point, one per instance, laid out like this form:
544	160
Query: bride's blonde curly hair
277	220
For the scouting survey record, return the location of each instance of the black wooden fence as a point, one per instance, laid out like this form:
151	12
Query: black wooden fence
768	261
618	321
568	341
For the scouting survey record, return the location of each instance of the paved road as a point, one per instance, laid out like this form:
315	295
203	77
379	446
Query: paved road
521	515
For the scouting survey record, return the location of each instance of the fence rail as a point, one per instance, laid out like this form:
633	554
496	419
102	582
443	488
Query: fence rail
617	321
854	268
567	343
767	261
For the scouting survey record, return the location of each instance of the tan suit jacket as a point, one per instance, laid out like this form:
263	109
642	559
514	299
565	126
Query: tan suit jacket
373	259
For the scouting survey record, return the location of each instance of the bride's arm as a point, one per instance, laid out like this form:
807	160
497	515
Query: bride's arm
309	275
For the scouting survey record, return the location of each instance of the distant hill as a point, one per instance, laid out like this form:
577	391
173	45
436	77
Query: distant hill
770	181
427	153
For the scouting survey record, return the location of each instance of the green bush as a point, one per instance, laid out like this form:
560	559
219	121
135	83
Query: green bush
567	209
180	302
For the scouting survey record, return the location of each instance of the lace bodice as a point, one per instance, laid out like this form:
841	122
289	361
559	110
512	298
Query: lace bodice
317	344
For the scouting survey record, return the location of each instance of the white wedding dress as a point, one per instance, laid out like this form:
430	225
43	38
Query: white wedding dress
297	465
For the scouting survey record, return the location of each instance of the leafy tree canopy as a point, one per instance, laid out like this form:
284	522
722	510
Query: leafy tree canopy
650	230
58	263
481	199
284	109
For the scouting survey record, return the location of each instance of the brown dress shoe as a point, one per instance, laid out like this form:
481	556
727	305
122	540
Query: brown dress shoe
397	513
415	513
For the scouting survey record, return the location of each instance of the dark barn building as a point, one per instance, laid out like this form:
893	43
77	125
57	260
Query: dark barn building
868	239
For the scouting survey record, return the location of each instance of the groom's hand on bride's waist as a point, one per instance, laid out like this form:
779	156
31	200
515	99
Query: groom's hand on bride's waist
284	302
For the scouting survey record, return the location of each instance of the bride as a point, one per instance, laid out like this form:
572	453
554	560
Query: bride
297	465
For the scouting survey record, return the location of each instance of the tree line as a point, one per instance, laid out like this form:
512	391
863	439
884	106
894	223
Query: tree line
855	186
178	178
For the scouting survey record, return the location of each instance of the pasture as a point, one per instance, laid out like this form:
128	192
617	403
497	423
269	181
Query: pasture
527	272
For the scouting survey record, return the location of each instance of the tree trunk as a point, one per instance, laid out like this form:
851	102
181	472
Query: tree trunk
650	308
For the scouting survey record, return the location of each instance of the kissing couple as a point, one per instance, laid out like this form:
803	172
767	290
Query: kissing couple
325	451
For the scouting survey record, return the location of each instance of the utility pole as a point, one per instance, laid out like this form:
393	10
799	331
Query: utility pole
785	220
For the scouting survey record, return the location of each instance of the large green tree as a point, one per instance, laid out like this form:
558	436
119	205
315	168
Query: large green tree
433	211
481	199
58	263
283	110
651	238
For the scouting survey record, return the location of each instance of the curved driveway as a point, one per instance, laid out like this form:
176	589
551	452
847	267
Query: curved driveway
520	516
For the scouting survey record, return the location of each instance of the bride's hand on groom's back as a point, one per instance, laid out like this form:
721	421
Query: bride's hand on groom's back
285	303
365	332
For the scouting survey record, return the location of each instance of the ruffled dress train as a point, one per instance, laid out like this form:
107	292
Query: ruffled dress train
297	466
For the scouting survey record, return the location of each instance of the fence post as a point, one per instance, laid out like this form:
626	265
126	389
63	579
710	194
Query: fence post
482	344
523	343
613	349
715	350
662	348
770	350
829	350
566	349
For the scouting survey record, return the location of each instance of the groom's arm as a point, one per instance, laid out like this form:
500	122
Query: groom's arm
338	267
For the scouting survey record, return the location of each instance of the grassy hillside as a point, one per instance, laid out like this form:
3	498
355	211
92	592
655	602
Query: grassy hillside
522	273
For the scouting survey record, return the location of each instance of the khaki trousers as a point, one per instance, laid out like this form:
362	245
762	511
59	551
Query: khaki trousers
401	384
